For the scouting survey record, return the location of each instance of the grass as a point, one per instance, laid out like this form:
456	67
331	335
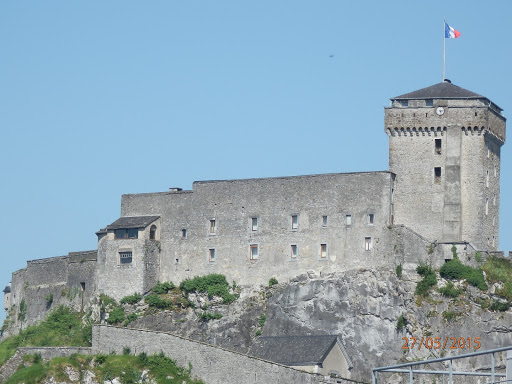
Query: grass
107	367
62	327
499	270
207	316
450	291
399	270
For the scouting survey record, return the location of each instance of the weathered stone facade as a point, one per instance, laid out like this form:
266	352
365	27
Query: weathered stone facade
442	188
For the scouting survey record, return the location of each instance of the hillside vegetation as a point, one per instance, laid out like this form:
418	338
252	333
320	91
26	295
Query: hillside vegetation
62	327
126	368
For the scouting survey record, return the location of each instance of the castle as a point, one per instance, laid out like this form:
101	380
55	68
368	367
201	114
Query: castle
442	189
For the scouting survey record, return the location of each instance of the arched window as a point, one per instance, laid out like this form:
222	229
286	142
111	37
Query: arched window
152	232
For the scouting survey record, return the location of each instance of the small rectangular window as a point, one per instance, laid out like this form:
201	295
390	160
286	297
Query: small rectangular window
323	251
254	223
324	221
125	257
213	226
211	255
130	233
438	146
183	233
293	251
254	251
367	243
295	222
371	218
437	175
429	103
348	220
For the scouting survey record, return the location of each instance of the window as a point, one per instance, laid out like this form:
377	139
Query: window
371	218
367	243
211	255
295	222
404	103
438	146
82	286
130	233
486	206
437	175
324	221
254	252
487	179
125	257
213	226
254	223
152	232
323	251
183	233
429	102
348	220
293	251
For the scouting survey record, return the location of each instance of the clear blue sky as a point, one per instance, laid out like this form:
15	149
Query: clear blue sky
101	98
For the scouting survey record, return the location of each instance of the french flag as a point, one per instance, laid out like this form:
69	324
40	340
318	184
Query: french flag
450	33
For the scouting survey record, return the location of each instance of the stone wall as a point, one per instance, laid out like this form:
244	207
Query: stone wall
209	363
233	204
47	283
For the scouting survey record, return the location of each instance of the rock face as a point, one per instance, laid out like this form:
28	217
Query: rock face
363	306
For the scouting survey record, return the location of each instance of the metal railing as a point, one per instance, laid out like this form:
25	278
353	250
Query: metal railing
408	368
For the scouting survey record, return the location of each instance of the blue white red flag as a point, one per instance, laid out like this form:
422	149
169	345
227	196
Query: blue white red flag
450	33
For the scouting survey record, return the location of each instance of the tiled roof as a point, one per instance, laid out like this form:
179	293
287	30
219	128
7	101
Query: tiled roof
293	350
132	222
444	90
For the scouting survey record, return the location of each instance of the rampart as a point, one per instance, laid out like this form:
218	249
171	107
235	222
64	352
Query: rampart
211	364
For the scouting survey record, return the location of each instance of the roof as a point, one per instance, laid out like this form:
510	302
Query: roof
132	222
293	350
444	90
7	289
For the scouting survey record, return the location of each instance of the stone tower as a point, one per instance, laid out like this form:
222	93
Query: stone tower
444	147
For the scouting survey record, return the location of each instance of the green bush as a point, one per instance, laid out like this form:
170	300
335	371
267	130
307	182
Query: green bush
126	350
23	310
272	281
163	288
450	315
262	320
455	270
429	280
213	285
131	299
49	299
399	270
499	306
131	317
116	315
207	316
478	256
156	301
450	291
100	359
401	322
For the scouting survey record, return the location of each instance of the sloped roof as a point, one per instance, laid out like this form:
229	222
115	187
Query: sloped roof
444	90
7	289
293	350
132	222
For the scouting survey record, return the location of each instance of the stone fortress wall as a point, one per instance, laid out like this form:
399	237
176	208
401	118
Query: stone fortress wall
252	230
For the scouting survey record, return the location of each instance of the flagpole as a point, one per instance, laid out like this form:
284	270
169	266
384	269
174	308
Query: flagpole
444	44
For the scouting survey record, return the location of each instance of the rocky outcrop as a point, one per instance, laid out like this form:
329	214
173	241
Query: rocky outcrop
363	306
